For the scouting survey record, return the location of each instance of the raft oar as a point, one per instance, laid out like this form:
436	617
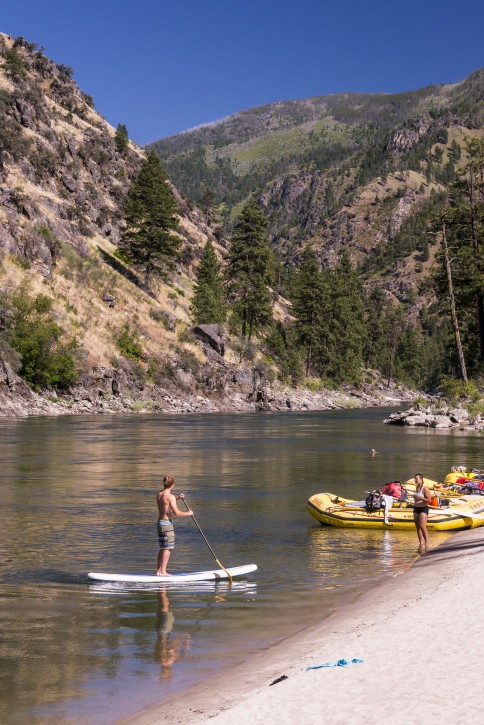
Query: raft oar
206	541
479	517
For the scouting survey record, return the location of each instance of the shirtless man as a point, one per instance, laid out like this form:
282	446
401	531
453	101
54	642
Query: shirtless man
167	508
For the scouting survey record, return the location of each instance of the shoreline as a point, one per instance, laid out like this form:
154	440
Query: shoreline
17	400
295	401
417	632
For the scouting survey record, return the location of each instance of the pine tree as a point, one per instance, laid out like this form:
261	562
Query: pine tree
342	358
310	306
208	303
376	304
393	324
283	345
150	217
409	357
250	270
464	227
207	202
121	138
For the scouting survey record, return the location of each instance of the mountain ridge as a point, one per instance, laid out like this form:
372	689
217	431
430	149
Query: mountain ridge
337	172
308	101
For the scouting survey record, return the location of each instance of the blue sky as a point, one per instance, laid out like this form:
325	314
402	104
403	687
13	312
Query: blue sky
163	66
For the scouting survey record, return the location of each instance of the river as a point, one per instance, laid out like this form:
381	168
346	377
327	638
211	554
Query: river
78	495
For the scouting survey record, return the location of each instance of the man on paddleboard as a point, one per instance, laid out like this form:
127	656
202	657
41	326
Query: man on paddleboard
167	508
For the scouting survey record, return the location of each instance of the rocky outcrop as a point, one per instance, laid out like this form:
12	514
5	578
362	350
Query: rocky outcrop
409	135
441	417
210	335
17	399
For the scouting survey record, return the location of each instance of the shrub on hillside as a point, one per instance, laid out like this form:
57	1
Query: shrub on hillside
128	344
30	329
13	64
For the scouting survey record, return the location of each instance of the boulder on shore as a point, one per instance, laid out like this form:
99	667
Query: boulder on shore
433	418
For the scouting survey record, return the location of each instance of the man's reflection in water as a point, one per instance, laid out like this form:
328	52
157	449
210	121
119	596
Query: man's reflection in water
169	646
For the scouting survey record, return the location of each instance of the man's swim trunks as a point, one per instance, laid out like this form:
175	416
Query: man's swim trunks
166	534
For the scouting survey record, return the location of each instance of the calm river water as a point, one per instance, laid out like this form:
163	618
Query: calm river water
78	495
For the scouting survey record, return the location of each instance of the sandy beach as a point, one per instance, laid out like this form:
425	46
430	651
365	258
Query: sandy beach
420	636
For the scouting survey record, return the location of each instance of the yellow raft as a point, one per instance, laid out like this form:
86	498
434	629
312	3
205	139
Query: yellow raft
455	476
327	508
432	485
438	489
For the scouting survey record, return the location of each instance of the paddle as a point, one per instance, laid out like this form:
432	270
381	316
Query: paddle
453	512
206	541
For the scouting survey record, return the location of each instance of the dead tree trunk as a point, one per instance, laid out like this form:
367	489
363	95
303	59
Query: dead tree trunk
453	313
475	245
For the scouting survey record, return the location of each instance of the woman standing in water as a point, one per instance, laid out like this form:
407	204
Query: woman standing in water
422	499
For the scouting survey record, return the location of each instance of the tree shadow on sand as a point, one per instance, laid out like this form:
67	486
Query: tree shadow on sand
452	550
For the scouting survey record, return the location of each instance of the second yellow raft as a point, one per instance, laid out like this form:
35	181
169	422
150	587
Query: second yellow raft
327	508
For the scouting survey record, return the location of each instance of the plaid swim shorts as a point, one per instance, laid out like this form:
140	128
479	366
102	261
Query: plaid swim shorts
166	534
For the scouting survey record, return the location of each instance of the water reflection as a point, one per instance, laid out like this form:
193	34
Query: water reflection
79	494
169	646
336	554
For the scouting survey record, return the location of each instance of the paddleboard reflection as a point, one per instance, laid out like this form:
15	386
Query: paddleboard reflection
219	588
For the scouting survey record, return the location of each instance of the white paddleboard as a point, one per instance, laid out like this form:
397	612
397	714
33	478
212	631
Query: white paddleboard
194	576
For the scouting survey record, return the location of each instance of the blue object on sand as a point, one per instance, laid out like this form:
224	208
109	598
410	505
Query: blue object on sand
339	663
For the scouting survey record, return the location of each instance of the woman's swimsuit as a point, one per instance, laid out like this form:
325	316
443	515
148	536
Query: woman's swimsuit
420	508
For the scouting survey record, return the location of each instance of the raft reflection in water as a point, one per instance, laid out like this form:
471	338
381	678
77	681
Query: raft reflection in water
356	555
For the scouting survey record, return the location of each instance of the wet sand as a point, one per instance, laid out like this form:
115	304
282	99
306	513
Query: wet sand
420	635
